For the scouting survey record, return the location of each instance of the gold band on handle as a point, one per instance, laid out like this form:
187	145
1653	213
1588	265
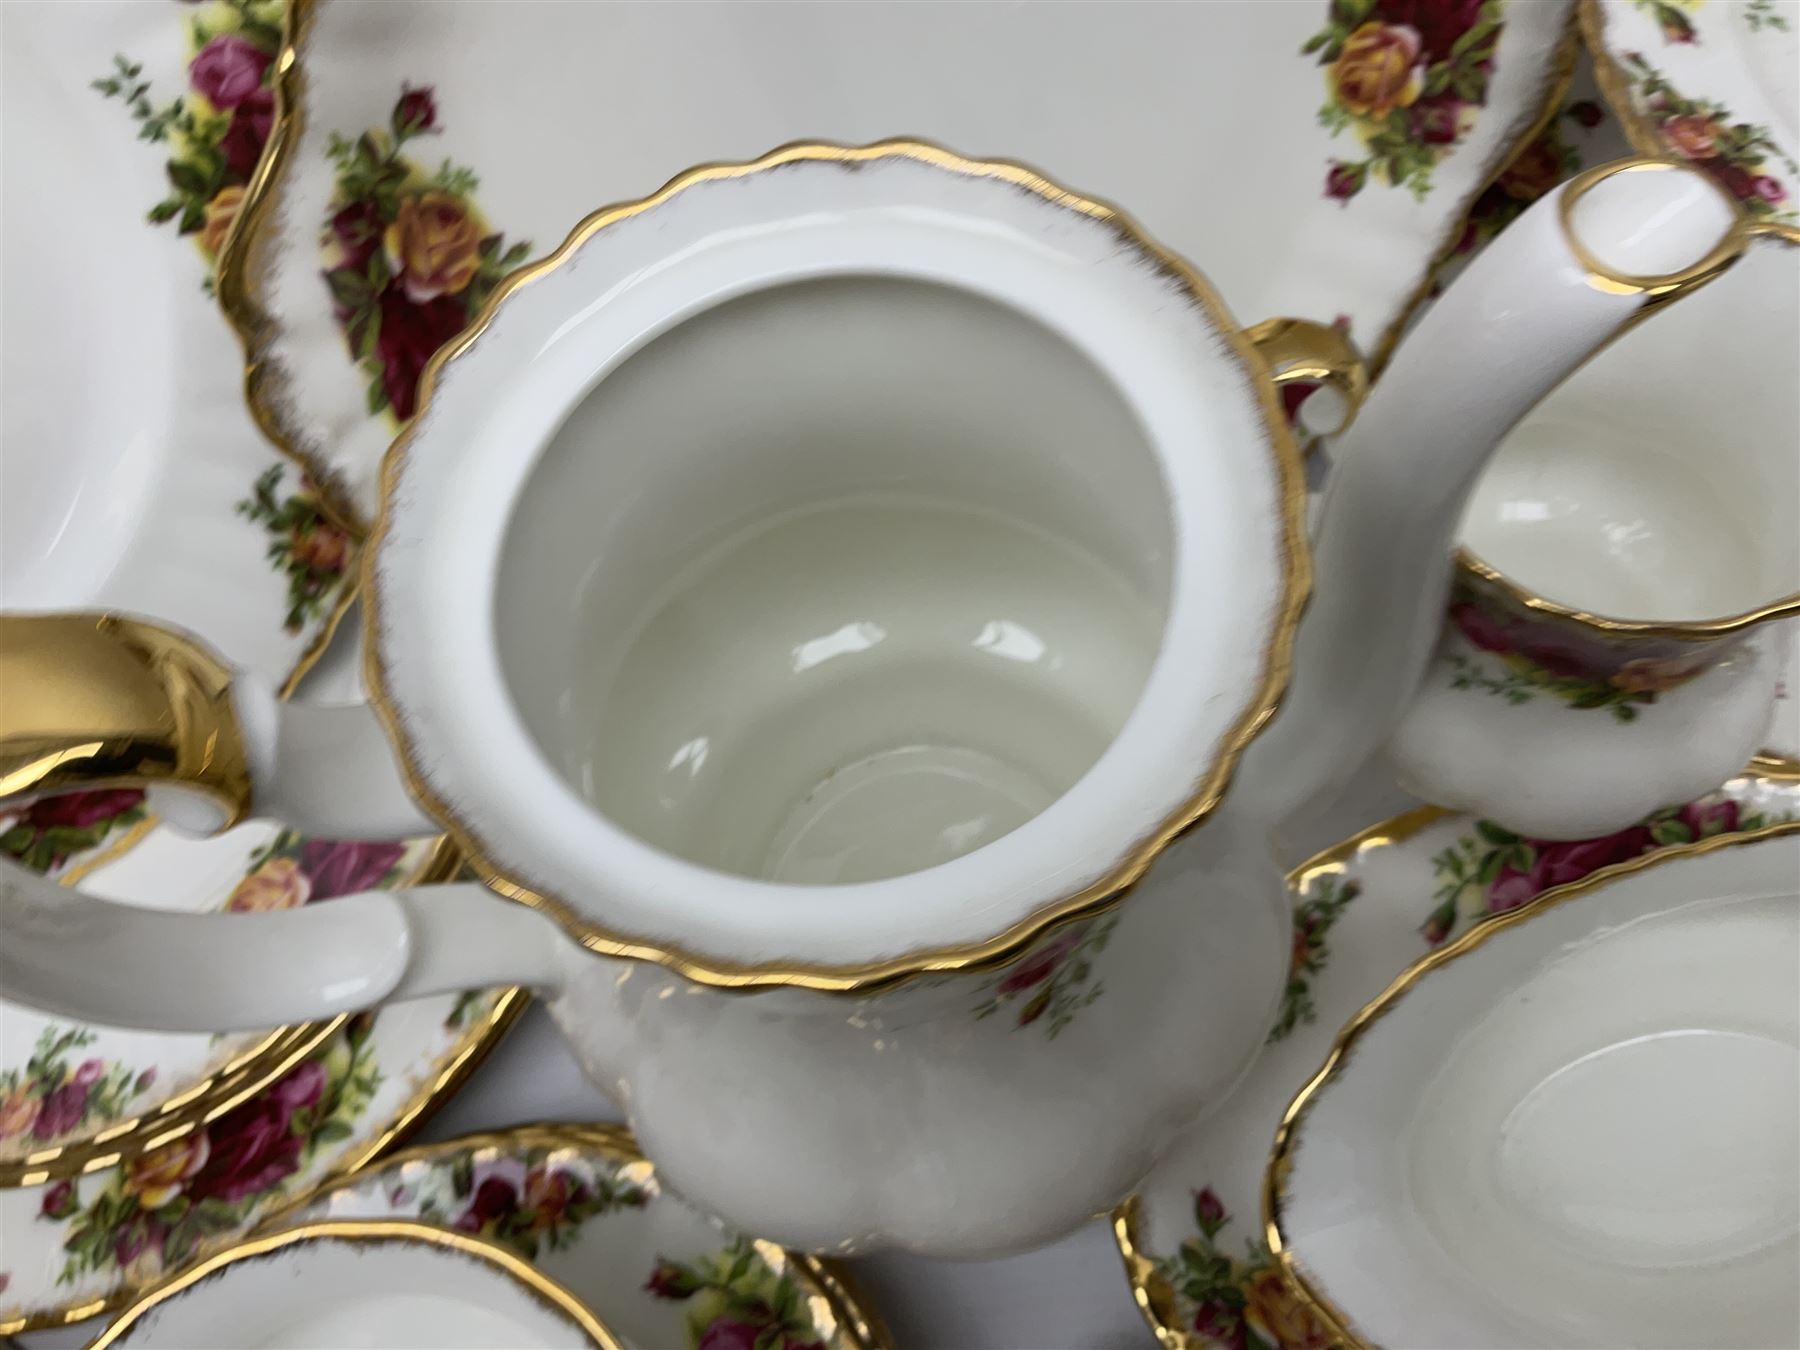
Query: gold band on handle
1300	350
100	700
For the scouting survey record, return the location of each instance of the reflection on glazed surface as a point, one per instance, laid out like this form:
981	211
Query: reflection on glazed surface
861	689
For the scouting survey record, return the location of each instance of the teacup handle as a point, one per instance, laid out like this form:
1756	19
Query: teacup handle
101	700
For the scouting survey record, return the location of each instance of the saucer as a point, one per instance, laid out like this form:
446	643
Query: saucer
1366	909
1716	84
1573	1126
581	1204
1376	124
388	1284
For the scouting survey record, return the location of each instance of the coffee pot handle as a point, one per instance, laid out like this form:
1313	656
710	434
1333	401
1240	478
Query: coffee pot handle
103	701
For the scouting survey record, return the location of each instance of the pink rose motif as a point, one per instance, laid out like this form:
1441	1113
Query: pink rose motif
1692	135
77	810
343	867
1037	968
1769	189
228	70
145	1233
1704	821
301	1088
729	1334
1559	862
89	1072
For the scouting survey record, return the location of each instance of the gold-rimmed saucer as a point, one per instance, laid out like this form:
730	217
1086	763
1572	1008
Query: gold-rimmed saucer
1192	1238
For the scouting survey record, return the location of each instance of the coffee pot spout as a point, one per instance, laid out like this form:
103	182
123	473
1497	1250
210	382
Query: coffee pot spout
1577	269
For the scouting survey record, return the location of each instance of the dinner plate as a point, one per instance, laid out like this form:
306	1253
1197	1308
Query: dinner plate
136	479
1312	158
1193	1237
583	1205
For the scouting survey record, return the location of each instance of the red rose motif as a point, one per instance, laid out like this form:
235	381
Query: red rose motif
1220	1324
1739	182
59	1201
228	70
410	335
1209	1210
668	1280
1554	653
75	810
321	548
548	1195
415	112
1343	181
1559	862
144	1233
243	141
62	1110
1586	113
254	1147
1041	966
1437	22
729	1334
1480	627
340	867
358	228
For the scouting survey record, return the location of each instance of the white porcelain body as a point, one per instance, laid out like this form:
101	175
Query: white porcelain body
1580	1130
390	1284
967	1110
1650	500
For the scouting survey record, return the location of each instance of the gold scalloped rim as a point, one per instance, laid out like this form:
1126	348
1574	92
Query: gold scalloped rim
1280	1161
1270	681
549	1295
453	1068
860	1328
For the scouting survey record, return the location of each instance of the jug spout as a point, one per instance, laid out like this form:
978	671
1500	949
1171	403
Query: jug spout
1572	273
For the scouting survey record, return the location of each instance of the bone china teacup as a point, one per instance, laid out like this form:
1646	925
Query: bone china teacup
1629	562
832	596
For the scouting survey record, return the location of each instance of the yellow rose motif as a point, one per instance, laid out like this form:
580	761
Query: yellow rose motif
18	1112
1378	71
1649	675
218	217
435	246
158	1176
1279	1317
277	884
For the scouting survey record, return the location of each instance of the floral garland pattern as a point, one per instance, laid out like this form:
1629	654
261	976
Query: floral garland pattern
1536	657
49	832
304	544
292	870
1236	1302
528	1202
156	1211
1406	77
409	256
1740	155
1543	163
1055	977
1489	870
217	128
48	1100
736	1302
1313	920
